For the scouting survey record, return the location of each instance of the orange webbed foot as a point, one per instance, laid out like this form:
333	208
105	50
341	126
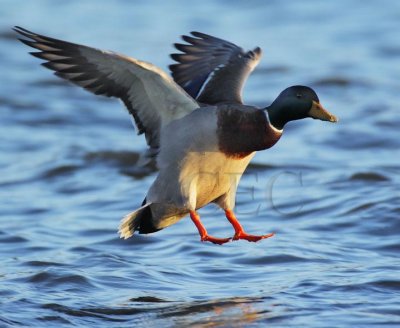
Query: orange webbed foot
239	231
215	240
252	238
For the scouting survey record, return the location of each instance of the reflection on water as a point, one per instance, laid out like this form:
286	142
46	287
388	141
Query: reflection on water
330	192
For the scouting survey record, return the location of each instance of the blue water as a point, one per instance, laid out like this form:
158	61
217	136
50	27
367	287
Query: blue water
330	192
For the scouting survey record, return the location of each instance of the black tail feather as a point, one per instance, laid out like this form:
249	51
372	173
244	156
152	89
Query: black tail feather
145	222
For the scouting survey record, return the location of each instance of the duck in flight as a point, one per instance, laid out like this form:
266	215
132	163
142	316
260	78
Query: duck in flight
195	122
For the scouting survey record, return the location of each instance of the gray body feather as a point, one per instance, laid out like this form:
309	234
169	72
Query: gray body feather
193	172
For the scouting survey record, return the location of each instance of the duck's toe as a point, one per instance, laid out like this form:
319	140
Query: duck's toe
215	240
251	238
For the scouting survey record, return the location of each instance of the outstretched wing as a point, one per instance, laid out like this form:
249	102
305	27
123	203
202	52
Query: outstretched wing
212	70
150	95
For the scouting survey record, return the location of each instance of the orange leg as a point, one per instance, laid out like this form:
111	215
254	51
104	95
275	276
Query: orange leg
204	236
239	231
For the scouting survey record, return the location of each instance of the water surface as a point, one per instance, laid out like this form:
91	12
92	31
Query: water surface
330	192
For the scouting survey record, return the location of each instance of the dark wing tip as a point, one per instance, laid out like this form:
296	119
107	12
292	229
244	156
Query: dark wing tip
17	28
201	35
23	31
28	42
174	57
186	48
189	39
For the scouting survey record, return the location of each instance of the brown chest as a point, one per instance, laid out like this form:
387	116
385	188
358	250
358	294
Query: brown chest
241	132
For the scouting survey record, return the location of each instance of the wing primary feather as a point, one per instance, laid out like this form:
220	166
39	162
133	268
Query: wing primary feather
151	97
211	69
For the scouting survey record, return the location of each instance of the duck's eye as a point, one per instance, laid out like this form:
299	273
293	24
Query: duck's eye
299	95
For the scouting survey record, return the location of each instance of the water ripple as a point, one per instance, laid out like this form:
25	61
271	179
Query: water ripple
369	176
72	167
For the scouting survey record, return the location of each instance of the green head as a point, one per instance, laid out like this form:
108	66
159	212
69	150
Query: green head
295	103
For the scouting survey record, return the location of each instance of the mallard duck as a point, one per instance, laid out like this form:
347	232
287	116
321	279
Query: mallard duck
196	123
